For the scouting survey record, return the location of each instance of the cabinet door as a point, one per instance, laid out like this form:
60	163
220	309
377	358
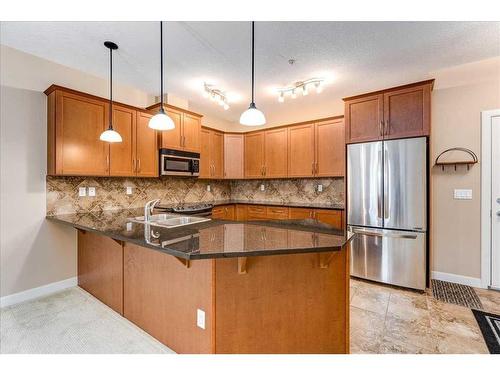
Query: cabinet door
330	148
407	112
364	119
254	155
240	212
218	212
225	212
277	213
276	153
191	133
205	162
296	213
122	155
172	138
256	212
229	212
234	155
146	147
217	154
79	123
301	151
331	217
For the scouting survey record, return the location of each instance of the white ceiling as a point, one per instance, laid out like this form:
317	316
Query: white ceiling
354	56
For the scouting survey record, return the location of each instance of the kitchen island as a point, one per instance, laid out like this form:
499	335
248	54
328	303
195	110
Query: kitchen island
220	286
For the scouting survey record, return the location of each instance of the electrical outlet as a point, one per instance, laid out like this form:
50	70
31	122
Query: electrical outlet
200	318
208	188
129	190
462	194
82	192
91	191
262	187
129	227
320	188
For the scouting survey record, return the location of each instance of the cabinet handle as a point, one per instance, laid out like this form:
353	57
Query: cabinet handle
312	168
387	127
265	170
134	168
214	170
138	165
381	128
107	163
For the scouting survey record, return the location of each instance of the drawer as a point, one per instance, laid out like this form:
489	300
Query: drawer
330	217
256	212
279	213
296	213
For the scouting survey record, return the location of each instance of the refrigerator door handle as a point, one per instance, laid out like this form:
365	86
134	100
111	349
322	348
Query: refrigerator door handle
379	194
386	185
380	234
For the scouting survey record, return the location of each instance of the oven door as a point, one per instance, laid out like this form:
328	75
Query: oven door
176	166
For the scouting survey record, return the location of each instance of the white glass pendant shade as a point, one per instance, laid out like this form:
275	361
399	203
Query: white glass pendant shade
161	121
252	117
110	136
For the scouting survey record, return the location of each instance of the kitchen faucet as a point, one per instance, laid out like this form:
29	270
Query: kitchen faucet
148	209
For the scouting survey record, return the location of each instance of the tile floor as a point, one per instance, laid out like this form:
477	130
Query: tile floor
383	320
393	320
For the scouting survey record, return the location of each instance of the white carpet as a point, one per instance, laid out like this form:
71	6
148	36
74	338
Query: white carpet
71	321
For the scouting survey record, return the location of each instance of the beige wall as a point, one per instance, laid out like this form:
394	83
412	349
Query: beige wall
460	94
33	252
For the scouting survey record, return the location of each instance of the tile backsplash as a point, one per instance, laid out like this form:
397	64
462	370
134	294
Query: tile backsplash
110	192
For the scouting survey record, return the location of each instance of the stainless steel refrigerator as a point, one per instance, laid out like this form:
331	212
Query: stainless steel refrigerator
387	209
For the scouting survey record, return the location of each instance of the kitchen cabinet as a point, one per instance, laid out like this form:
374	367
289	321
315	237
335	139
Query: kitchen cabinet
276	213
74	125
234	156
172	139
398	112
296	213
191	132
330	217
301	151
254	155
329	148
146	164
225	212
122	155
212	154
276	153
255	212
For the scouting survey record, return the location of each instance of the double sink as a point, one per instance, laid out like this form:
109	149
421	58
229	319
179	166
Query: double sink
169	220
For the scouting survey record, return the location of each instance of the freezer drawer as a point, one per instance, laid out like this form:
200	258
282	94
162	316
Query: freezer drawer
389	256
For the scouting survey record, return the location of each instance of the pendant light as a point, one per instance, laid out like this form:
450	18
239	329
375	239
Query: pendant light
161	121
110	135
252	116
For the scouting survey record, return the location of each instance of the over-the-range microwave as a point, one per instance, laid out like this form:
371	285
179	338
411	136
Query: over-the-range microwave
179	163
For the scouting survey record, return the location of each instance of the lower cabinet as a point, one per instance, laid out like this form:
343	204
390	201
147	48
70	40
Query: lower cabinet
100	268
226	212
335	218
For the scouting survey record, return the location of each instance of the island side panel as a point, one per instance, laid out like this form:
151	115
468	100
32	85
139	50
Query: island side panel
283	304
162	295
100	268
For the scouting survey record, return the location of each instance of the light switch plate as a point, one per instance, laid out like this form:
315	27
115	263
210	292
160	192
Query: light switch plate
200	318
462	194
320	188
262	187
91	191
129	190
82	191
208	188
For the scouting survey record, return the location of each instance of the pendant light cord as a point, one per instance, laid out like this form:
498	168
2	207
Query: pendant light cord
110	89
253	69
161	67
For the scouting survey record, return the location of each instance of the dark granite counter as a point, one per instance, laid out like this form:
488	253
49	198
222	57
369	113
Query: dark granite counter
214	238
331	206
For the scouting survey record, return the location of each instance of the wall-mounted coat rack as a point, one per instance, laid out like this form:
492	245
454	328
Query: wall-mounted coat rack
468	163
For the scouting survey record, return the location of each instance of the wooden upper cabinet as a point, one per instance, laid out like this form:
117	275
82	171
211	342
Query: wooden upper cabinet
301	151
276	153
398	112
254	155
172	139
122	155
364	118
205	162
217	154
330	148
191	133
147	164
74	128
234	146
407	112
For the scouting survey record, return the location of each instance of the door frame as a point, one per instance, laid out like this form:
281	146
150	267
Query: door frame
486	176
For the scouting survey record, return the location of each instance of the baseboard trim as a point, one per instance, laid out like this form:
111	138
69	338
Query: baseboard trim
458	279
38	292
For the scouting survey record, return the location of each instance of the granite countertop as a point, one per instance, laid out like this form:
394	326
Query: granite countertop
214	238
331	206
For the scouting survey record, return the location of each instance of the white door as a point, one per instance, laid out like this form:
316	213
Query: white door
495	202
